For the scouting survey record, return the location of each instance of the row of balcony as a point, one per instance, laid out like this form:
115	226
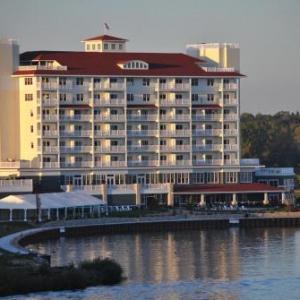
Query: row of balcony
135	117
136	148
140	163
139	133
181	87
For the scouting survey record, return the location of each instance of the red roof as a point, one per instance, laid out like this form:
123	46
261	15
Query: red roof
106	64
105	37
225	188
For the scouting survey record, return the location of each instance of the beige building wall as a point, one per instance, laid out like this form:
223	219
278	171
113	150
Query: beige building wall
9	102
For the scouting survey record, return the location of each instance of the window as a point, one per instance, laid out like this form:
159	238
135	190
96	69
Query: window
179	142
88	47
130	81
162	96
45	80
94	46
162	81
146	81
130	97
163	157
31	145
179	157
113	112
163	142
195	82
145	142
146	97
113	96
79	81
79	97
178	81
210	97
62	81
195	97
28	97
62	97
163	127
226	96
99	46
120	46
31	128
31	113
114	143
210	82
113	80
113	46
178	96
28	81
97	80
179	126
226	81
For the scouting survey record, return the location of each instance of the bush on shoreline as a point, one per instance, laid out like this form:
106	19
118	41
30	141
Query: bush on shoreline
27	279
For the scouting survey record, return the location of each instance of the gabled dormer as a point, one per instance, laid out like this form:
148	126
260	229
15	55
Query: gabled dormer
105	43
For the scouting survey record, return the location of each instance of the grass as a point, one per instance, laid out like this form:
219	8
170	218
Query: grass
20	275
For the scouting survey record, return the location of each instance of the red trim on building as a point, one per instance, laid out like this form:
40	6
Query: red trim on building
242	188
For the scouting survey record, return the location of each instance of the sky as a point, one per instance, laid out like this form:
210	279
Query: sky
268	32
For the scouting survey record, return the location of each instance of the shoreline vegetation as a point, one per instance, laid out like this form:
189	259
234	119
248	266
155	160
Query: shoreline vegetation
21	274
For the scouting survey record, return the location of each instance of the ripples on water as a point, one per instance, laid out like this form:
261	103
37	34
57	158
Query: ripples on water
210	264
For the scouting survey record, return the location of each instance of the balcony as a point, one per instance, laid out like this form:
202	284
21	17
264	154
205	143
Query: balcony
175	118
85	101
109	118
16	185
52	101
110	133
175	163
142	118
210	162
143	163
80	118
76	133
231	147
48	133
231	162
207	132
49	165
177	133
76	149
49	86
180	87
230	101
175	148
207	148
250	162
175	102
48	118
230	117
142	148
142	133
48	149
205	118
230	86
230	132
139	101
110	164
81	164
109	86
110	149
109	102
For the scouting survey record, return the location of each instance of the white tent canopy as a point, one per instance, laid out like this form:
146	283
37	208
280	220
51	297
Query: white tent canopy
18	202
49	201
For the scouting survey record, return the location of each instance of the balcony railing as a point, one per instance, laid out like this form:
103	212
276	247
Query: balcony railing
49	149
177	133
230	132
110	149
175	102
76	149
81	164
48	102
76	118
49	86
109	86
141	148
231	101
176	118
110	164
230	117
230	86
207	132
182	163
231	162
207	148
16	185
49	165
174	87
110	118
175	148
150	132
48	133
49	118
149	117
231	147
211	162
140	101
143	163
76	133
110	133
109	102
211	117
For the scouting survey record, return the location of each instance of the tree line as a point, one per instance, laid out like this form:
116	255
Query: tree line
274	139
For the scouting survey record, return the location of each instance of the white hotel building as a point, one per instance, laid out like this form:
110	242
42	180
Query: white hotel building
127	126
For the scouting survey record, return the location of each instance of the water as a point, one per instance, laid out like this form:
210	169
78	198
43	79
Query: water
190	265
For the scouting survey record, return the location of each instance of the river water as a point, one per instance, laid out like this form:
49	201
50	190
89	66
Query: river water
189	265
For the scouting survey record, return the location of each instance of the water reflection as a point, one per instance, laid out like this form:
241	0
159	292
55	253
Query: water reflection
224	255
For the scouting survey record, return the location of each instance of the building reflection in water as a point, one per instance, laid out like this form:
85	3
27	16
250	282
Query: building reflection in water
208	255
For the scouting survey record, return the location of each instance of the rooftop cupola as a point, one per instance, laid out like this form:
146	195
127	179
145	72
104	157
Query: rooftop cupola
105	43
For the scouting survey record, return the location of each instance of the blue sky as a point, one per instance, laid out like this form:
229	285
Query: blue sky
267	31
